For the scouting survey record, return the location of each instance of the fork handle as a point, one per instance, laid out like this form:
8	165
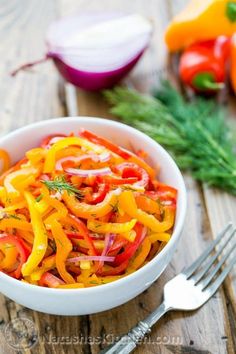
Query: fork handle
128	342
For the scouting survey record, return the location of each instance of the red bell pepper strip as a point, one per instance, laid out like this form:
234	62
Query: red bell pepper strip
83	231
163	193
23	254
116	270
203	65
50	280
131	248
116	180
130	169
98	196
107	144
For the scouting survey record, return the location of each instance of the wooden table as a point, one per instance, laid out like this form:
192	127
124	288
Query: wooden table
40	94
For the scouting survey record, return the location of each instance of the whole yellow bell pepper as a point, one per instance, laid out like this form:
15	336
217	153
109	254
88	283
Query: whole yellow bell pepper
105	227
128	204
40	237
201	20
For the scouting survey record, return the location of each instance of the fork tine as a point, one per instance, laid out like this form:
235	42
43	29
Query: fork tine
197	277
191	269
211	275
216	284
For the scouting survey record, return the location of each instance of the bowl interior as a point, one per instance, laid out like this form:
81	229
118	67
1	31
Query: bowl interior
21	140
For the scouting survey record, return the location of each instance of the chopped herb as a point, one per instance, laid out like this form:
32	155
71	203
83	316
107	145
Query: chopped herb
59	184
13	216
114	207
40	197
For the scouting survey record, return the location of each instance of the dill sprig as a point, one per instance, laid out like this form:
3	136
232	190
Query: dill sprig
195	132
59	184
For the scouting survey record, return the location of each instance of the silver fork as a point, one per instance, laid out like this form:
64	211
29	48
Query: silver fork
189	290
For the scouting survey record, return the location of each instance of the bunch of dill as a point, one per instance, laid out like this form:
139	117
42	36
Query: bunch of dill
195	132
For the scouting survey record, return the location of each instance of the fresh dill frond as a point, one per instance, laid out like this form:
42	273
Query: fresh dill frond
59	184
194	132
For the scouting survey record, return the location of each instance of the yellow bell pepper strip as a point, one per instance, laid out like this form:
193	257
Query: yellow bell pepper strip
40	237
128	204
162	236
141	257
15	206
61	144
5	160
14	178
105	227
13	241
12	223
86	211
130	235
64	247
71	286
47	264
36	155
194	23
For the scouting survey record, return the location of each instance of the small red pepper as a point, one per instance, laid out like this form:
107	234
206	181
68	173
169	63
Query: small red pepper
203	65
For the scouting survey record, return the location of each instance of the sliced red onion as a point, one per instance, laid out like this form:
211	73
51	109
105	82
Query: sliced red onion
105	156
91	258
86	173
93	51
109	239
45	177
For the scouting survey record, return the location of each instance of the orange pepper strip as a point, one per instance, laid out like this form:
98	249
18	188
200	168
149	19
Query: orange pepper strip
64	247
87	211
11	223
128	204
5	159
40	237
141	257
62	144
147	204
10	259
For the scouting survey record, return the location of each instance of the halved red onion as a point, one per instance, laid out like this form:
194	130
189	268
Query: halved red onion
86	173
93	51
91	258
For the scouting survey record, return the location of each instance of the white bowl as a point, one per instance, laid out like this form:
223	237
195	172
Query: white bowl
103	297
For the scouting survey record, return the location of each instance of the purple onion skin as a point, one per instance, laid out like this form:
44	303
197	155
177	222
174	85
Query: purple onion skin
94	81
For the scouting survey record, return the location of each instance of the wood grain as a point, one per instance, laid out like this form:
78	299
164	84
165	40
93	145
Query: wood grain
40	94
